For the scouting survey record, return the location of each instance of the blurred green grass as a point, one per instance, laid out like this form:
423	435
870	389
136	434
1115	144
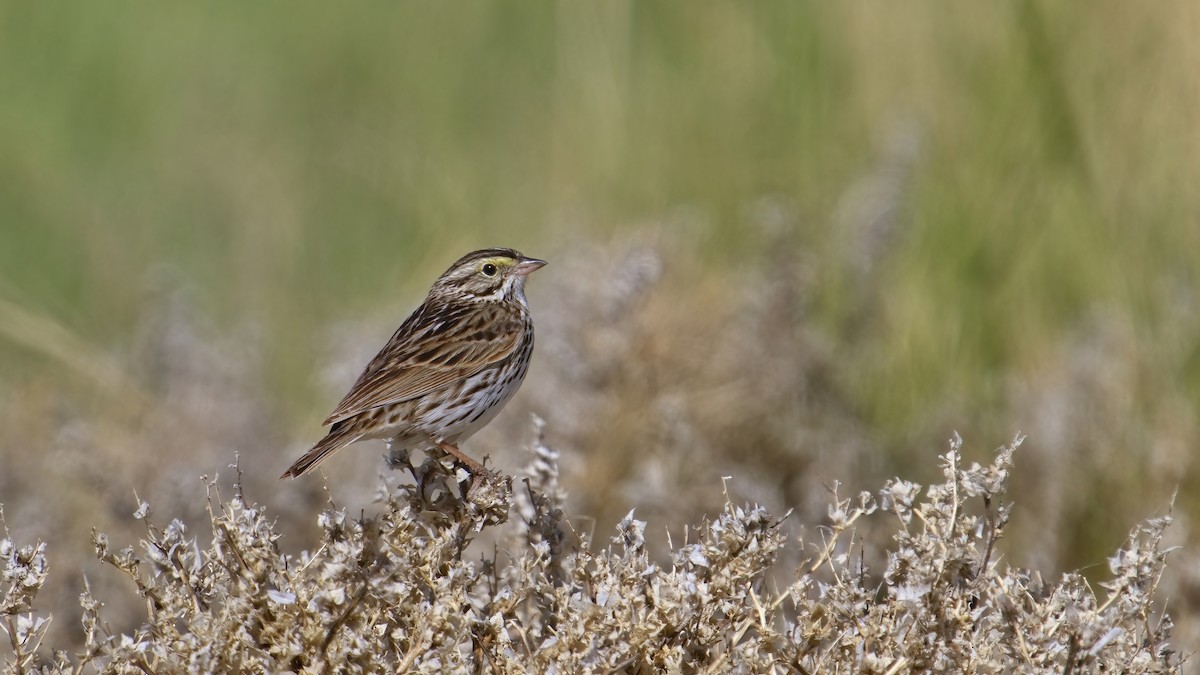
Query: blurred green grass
303	164
298	165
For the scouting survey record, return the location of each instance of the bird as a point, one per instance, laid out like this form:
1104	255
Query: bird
447	370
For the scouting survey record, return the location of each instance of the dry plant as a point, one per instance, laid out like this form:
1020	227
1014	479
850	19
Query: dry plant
655	385
405	591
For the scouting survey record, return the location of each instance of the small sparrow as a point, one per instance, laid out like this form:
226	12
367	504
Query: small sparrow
448	369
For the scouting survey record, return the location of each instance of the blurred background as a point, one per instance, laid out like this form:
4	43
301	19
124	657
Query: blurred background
793	243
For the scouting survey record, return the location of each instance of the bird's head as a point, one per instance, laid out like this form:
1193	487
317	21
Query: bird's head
488	274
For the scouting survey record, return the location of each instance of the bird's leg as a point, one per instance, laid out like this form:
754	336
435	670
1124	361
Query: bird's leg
474	467
477	470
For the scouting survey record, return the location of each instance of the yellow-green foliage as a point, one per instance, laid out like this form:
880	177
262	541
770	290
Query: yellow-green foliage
404	592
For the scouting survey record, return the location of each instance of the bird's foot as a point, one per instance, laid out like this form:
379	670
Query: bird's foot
473	467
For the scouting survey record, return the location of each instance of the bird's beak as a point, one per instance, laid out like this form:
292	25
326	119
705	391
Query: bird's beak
528	266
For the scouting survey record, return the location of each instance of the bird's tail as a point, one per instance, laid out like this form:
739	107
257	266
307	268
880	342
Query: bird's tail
339	436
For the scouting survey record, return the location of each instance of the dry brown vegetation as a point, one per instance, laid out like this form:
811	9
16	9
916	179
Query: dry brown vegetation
655	393
404	591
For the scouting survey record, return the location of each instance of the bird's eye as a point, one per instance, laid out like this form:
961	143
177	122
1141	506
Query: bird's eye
489	270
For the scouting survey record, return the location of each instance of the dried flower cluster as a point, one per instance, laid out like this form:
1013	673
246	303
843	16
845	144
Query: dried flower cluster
405	591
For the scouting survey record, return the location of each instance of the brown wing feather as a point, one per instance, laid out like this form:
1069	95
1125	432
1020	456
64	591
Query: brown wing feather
436	345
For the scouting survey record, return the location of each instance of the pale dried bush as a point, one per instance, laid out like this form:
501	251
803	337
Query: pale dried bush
405	590
663	364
